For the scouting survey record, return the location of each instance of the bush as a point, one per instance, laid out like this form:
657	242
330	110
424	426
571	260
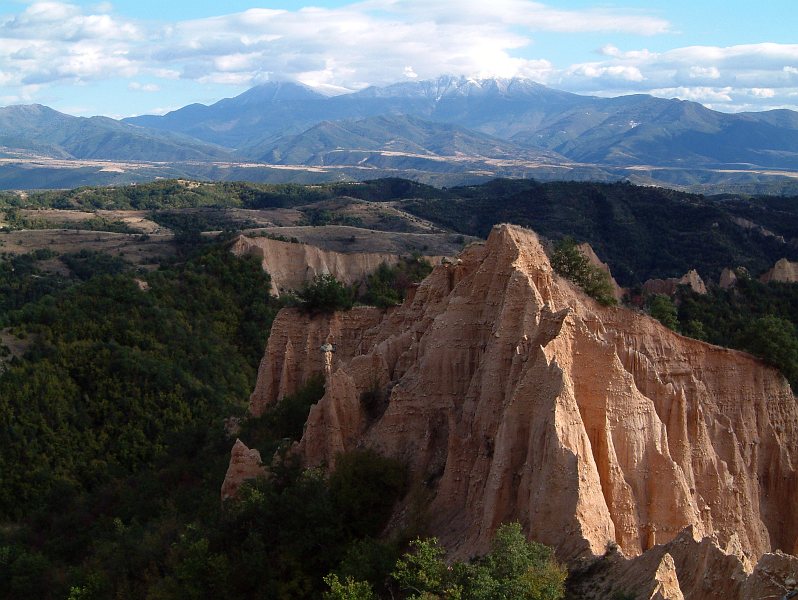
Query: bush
515	569
349	590
662	308
569	262
388	285
325	294
286	419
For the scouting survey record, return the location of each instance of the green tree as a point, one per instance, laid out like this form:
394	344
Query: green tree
325	294
776	341
388	285
568	261
348	590
423	573
662	308
515	569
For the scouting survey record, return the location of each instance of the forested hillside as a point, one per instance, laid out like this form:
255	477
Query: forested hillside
119	393
642	232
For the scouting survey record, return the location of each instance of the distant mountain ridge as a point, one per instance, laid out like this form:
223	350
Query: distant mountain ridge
422	128
329	142
636	129
49	132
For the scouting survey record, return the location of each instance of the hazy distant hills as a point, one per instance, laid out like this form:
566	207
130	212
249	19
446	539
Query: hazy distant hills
360	141
45	131
480	128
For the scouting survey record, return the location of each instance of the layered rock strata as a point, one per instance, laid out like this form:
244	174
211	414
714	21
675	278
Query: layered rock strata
290	265
512	396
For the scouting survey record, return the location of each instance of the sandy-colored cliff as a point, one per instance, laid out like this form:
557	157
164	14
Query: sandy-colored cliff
293	352
669	286
512	396
784	271
290	265
728	279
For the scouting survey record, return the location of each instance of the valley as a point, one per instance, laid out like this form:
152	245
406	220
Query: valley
149	331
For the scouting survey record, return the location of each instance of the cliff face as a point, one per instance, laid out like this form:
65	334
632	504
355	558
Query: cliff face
293	352
512	396
291	265
245	464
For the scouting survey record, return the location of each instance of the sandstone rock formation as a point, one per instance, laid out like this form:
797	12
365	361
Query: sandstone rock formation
293	352
513	396
245	464
784	271
687	568
669	286
291	265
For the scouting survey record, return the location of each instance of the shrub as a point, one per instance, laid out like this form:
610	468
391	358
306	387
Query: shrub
569	262
325	294
388	285
662	308
515	569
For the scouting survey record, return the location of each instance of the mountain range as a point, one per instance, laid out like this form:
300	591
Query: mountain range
512	127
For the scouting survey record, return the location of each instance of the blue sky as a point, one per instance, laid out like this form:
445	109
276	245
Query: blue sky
150	56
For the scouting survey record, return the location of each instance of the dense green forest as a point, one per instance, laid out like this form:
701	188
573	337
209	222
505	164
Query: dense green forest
112	429
118	384
641	232
173	193
756	317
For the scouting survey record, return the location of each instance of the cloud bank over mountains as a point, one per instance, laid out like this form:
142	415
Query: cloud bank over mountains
45	45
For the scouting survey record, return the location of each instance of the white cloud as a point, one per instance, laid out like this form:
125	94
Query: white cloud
610	50
380	42
605	72
143	87
705	95
763	92
370	42
724	77
704	73
536	16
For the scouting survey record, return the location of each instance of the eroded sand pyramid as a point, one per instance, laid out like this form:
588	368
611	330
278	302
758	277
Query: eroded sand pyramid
513	396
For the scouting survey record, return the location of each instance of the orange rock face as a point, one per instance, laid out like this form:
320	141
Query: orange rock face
294	350
512	396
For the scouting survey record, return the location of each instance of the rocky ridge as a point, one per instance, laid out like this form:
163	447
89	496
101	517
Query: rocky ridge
290	265
513	396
